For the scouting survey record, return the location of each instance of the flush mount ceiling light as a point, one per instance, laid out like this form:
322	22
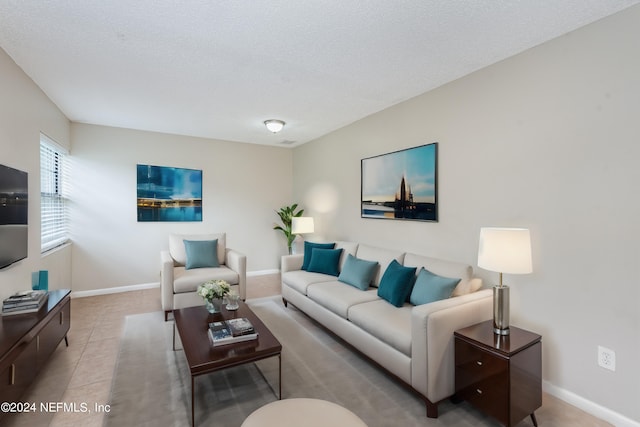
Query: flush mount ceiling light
274	126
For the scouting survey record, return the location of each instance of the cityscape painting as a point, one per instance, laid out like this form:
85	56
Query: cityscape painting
169	194
401	185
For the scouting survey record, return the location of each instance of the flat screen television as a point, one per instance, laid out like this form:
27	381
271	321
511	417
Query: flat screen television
14	213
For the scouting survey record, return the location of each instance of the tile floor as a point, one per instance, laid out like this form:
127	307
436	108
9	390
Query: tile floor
82	372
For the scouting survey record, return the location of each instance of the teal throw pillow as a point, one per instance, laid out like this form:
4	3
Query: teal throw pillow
201	253
395	285
325	261
308	250
430	287
358	272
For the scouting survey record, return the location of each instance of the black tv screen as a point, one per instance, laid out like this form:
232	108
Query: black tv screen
14	213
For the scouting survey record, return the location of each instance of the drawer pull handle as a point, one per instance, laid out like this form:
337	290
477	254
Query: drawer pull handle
13	374
478	391
479	363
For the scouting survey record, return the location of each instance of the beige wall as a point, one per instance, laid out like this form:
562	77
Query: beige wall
549	140
25	111
243	184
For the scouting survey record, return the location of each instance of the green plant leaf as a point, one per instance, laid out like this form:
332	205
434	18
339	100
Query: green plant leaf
286	213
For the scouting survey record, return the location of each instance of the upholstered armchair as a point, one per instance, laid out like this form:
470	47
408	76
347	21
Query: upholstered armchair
201	258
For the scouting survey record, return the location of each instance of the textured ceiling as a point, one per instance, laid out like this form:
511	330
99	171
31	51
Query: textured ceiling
219	68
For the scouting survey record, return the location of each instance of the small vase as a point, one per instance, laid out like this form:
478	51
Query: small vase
214	306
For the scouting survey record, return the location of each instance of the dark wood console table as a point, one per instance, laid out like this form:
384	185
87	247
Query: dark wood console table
27	341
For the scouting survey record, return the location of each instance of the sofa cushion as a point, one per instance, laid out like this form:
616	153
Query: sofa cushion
446	269
383	256
389	324
430	287
308	251
395	285
300	279
201	253
467	287
348	248
338	297
358	272
188	280
325	261
179	254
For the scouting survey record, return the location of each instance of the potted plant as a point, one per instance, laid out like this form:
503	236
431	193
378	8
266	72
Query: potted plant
286	214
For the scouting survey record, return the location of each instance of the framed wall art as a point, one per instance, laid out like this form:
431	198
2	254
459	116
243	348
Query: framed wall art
401	185
169	194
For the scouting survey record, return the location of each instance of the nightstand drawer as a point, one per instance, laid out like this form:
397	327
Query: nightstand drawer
490	395
474	364
482	378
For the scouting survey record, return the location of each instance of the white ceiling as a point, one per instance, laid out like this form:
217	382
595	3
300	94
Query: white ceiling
219	68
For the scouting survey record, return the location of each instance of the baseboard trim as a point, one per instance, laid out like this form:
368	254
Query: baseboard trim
116	290
262	272
130	288
586	405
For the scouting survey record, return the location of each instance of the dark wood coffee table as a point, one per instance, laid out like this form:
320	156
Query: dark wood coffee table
192	324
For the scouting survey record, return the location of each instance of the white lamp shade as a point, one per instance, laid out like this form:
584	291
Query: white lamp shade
505	250
302	225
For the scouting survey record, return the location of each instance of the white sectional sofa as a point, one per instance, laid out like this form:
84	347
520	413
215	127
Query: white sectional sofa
412	342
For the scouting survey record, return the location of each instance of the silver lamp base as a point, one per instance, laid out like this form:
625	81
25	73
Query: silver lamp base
501	310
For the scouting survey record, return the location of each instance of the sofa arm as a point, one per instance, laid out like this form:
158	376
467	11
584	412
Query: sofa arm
291	262
432	349
166	280
238	263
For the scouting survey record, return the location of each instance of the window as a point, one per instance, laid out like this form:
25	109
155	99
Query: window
54	218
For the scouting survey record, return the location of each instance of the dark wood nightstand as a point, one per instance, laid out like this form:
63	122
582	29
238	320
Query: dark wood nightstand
501	375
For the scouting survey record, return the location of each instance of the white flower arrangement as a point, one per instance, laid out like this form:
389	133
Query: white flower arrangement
214	289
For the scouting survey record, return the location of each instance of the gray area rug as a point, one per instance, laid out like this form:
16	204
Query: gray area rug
152	386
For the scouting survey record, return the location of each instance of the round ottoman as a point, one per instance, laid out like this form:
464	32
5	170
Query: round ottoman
302	412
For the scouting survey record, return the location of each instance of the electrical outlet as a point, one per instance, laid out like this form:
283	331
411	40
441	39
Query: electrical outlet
607	358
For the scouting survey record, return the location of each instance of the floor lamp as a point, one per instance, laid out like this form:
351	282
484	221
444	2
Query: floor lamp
504	250
300	225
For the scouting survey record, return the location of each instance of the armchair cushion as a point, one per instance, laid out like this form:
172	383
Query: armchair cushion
178	251
201	253
188	280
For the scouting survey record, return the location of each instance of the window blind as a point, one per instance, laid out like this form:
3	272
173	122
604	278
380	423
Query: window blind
54	217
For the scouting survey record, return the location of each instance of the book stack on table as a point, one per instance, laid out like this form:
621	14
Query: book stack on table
231	331
24	302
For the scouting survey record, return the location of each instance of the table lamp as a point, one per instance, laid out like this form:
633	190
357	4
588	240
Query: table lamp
504	250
